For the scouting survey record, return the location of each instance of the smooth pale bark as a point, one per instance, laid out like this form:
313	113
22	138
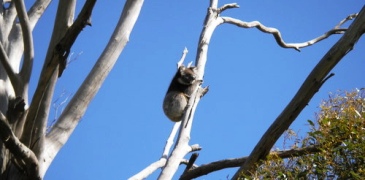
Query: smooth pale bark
35	149
65	125
12	47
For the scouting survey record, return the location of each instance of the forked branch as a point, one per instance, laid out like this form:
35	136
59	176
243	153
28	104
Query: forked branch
62	40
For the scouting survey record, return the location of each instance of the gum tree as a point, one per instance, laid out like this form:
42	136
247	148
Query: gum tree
170	161
26	148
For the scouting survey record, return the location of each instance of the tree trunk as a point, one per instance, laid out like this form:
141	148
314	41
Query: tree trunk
26	149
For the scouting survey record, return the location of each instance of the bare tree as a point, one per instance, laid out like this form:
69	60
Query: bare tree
26	148
170	161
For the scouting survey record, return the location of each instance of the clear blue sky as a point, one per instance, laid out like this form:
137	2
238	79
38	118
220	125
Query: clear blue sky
251	80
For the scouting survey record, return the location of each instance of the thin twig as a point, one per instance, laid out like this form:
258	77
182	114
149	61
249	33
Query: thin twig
348	18
227	6
181	61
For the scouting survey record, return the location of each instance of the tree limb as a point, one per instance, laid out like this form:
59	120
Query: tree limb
36	121
36	11
191	162
236	162
58	62
4	60
276	33
65	125
64	46
310	86
227	6
182	58
176	158
348	18
26	69
182	146
23	155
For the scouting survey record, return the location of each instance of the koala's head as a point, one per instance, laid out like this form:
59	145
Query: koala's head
187	76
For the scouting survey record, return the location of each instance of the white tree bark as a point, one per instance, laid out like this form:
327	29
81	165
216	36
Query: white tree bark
62	129
25	137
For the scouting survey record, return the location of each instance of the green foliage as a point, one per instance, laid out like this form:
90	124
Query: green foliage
338	133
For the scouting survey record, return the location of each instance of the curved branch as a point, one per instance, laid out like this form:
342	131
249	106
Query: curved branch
236	162
24	156
276	33
27	66
310	86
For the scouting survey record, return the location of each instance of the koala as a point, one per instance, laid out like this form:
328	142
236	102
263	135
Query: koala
177	95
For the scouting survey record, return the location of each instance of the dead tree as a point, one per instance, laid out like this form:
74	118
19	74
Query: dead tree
26	148
170	161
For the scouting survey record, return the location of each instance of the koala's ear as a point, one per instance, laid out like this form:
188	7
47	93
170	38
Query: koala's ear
182	70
